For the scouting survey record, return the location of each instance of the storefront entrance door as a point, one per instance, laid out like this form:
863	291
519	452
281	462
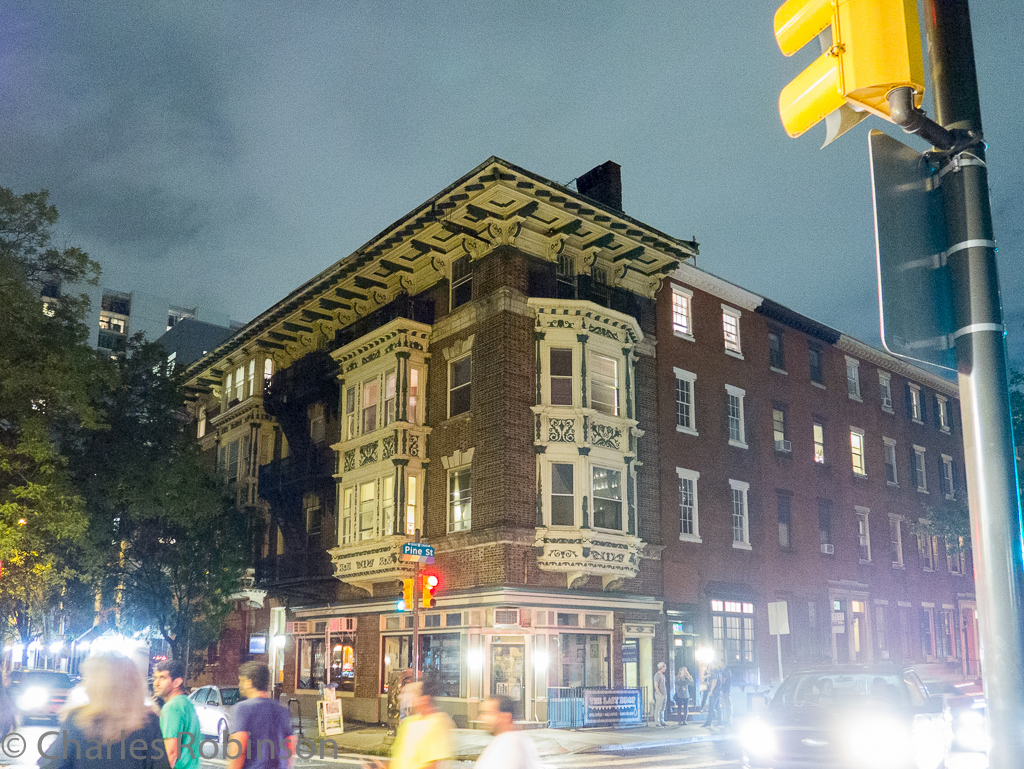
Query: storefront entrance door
508	674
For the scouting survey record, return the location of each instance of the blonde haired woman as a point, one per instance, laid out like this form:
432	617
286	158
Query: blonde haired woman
114	730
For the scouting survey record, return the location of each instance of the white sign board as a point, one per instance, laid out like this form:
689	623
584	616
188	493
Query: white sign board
838	622
778	618
329	717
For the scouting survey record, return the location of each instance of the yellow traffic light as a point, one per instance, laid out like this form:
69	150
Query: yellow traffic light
876	47
429	585
407	596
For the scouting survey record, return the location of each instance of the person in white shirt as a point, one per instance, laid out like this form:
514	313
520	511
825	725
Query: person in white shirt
510	748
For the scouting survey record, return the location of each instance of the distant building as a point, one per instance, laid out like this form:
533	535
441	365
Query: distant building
115	315
190	339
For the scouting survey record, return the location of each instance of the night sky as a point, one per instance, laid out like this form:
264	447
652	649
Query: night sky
219	153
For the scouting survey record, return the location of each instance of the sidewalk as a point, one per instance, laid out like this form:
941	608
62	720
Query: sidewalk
469	743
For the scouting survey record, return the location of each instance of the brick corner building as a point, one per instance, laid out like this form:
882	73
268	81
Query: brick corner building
617	458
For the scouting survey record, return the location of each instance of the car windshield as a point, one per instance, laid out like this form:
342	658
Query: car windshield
229	696
49	679
842	689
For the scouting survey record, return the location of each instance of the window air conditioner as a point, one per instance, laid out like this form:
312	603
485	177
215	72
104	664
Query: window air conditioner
783	445
828	549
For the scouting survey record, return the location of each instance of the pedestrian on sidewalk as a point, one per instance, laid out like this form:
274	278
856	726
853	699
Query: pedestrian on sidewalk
260	719
683	683
114	729
660	695
424	739
714	697
178	720
725	674
510	748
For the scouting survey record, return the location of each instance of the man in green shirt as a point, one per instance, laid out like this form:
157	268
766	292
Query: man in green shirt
179	723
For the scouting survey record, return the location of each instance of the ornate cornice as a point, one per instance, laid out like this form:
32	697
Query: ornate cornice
691	277
896	365
497	204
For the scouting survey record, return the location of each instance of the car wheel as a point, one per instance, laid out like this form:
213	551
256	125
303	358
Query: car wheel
221	728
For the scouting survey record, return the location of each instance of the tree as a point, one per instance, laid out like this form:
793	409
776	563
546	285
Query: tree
174	539
48	377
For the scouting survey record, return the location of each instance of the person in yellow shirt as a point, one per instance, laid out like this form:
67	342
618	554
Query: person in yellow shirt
424	739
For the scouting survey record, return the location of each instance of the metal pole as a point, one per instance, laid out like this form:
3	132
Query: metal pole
416	617
984	386
778	638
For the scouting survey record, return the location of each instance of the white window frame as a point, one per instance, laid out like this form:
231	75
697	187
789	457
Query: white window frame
616	362
885	391
949	490
926	542
682	313
550	493
469	384
957	559
856	432
853	378
689	476
890	453
466	523
815	443
896	524
623	495
550	376
733	347
863	533
691	380
916	404
921	468
740	395
743	488
942	410
780	443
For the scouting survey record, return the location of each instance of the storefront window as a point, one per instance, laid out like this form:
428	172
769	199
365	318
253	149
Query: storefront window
585	660
343	662
311	663
439	653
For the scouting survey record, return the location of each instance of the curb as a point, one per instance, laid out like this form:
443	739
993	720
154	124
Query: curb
654	744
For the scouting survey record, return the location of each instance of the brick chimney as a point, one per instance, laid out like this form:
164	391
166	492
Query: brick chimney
603	184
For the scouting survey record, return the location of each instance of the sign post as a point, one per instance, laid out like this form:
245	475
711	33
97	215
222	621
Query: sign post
418	553
778	626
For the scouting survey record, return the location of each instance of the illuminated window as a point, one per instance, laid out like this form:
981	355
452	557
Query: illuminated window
604	384
411	504
607	498
857	451
819	443
251	378
371	391
915	403
460	504
201	424
414	394
387	504
350	413
731	330
942	413
389	397
240	383
682	324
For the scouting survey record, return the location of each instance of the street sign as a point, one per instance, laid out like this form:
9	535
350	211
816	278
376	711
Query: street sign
417	552
915	293
778	618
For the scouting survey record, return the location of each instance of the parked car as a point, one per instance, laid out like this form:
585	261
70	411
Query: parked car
39	694
214	706
849	718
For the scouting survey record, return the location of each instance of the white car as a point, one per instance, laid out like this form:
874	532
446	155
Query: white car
214	706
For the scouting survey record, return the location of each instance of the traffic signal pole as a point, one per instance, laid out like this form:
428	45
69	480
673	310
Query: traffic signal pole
416	587
992	490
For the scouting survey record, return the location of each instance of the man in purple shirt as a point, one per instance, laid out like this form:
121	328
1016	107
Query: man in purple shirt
263	730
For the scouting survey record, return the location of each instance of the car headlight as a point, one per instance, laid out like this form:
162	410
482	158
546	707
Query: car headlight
758	739
970	733
33	698
879	742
